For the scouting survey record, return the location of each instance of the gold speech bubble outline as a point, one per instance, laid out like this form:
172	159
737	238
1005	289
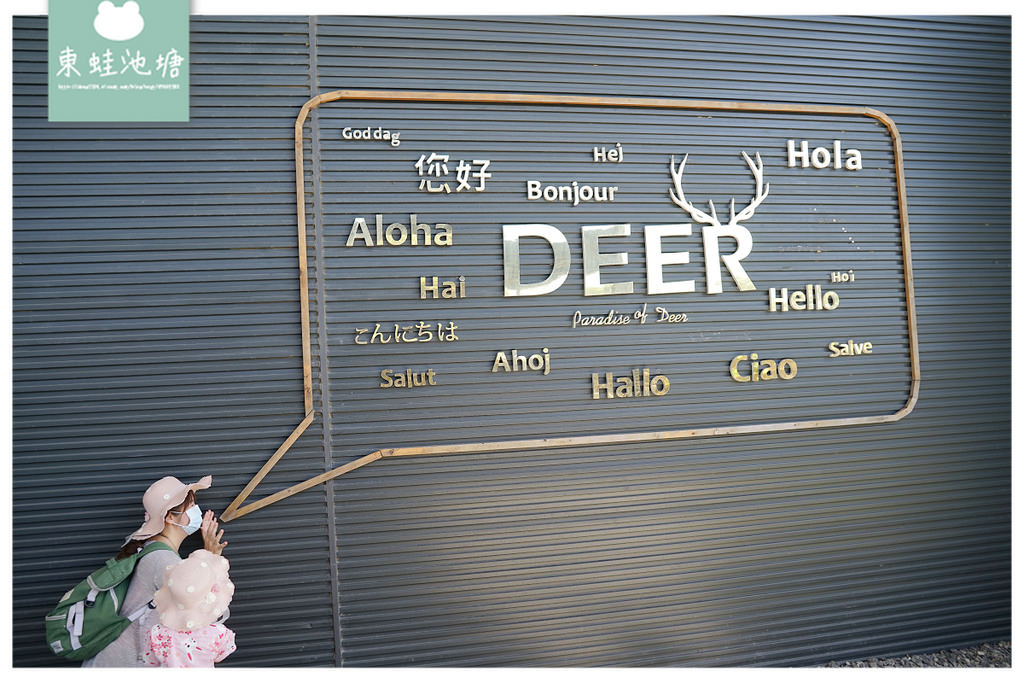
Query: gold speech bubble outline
234	511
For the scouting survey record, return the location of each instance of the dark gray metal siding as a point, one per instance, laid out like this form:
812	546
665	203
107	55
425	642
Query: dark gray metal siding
757	550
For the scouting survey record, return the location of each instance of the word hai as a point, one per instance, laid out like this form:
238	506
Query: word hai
573	193
637	384
420	332
822	157
603	154
350	133
848	348
838	276
407	379
762	370
397	234
537	361
810	299
446	289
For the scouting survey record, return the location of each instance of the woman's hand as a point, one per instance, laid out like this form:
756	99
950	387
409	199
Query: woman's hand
211	537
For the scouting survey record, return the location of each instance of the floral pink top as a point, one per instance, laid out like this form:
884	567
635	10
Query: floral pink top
202	647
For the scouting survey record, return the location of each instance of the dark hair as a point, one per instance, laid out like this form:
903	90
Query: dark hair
133	546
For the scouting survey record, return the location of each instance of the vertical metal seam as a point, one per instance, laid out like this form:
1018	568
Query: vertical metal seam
321	304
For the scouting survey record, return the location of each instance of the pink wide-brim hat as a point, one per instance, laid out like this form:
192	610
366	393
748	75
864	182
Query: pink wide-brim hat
159	498
195	592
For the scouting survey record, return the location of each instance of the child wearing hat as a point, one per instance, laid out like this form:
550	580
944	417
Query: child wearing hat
195	593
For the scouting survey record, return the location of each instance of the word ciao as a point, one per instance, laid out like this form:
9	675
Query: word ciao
762	370
594	260
378	133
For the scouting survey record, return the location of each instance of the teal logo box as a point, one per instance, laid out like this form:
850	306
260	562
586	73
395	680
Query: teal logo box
118	60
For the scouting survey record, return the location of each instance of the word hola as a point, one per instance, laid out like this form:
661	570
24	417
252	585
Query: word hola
822	157
810	299
602	154
397	233
350	133
762	370
848	348
635	385
406	380
446	288
536	361
654	257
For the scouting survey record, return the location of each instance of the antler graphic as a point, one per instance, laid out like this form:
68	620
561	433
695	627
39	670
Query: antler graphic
680	199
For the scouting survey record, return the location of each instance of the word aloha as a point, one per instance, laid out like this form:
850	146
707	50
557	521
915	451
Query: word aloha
436	166
167	64
405	334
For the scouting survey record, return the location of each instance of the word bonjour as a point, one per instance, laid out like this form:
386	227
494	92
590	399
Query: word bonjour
637	384
848	348
350	133
537	361
762	370
573	193
810	299
654	257
821	157
406	379
396	234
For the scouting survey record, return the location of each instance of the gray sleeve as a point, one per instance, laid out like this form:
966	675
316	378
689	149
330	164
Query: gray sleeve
148	577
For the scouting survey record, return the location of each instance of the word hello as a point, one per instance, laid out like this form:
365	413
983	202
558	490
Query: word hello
811	299
397	234
635	385
571	194
446	289
406	380
602	154
654	258
763	370
350	133
822	157
838	277
537	361
848	348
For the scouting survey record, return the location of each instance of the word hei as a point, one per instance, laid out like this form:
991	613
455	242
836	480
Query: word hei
655	258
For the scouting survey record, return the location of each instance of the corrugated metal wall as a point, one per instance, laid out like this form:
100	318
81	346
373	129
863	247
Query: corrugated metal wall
156	329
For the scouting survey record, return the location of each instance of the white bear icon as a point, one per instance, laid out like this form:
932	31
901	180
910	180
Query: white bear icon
118	23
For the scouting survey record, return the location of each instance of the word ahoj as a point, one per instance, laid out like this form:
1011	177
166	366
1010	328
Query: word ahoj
397	234
407	379
536	361
350	133
603	154
762	370
822	157
447	289
573	193
810	299
635	385
848	348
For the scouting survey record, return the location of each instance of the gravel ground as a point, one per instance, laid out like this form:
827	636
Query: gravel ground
984	655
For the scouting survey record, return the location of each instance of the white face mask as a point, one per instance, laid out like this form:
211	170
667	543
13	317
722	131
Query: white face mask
195	520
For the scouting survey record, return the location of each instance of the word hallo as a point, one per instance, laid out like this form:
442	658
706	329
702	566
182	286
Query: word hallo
654	257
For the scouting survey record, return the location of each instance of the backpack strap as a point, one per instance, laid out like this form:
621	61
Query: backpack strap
155	545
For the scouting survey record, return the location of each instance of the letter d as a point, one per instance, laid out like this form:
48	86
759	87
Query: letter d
510	236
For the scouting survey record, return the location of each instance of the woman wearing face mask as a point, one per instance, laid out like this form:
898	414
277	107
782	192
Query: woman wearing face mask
171	515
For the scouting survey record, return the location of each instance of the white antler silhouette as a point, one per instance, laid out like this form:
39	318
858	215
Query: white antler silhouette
680	199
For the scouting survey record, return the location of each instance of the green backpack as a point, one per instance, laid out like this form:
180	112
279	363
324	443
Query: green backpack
87	618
